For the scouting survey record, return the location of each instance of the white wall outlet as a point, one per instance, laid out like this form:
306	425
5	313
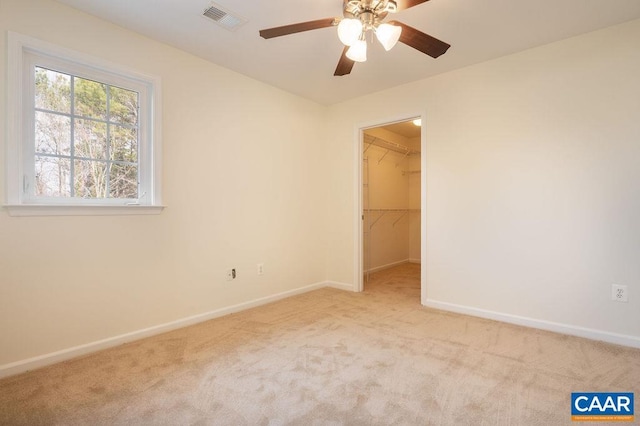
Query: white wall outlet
231	274
260	268
619	293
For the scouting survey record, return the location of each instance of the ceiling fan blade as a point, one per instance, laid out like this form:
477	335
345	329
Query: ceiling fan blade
406	4
421	41
297	28
345	65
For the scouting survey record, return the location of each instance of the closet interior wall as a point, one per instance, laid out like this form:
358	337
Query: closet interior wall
391	199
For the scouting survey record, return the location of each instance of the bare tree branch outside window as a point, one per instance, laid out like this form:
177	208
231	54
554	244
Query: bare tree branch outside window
87	138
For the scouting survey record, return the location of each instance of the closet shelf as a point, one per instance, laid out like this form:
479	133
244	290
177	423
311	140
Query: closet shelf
383	212
388	145
391	210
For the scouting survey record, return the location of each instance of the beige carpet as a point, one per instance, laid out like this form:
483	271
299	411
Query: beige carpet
329	358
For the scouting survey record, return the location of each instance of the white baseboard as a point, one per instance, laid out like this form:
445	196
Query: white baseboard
387	266
588	333
340	286
65	354
76	351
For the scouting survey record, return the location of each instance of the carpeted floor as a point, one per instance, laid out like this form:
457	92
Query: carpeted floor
329	357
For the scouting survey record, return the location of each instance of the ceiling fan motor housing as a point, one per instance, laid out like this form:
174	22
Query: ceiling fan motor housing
378	9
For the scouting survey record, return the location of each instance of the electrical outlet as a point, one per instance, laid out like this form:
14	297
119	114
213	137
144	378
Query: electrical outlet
619	293
231	274
260	268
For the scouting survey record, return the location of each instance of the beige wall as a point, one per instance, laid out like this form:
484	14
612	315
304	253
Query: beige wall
243	181
532	181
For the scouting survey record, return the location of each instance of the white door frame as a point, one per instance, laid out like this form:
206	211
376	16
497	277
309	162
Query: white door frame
358	252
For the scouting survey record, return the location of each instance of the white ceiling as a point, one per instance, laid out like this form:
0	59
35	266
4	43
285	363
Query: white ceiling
303	63
404	128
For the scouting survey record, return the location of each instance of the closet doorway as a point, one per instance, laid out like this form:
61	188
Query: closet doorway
391	203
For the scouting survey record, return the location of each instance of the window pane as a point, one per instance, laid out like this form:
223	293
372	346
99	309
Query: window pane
123	181
123	107
53	90
90	98
90	179
124	144
90	139
53	133
52	176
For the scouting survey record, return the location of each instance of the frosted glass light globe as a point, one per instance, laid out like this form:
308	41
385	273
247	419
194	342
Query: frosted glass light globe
388	35
358	51
349	31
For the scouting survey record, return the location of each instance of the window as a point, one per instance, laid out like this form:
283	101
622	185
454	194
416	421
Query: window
83	134
102	122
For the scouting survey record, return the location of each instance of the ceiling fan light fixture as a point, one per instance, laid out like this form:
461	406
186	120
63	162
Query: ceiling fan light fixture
392	6
360	17
349	31
358	51
388	35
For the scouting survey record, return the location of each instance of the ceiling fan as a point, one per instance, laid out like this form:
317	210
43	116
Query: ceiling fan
360	17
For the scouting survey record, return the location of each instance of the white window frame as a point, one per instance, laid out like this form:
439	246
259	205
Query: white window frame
23	54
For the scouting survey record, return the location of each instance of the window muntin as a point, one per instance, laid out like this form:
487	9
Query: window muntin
86	137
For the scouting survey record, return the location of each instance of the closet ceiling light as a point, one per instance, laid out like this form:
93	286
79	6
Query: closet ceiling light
418	122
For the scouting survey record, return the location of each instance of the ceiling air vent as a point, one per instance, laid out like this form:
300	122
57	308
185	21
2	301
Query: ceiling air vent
224	18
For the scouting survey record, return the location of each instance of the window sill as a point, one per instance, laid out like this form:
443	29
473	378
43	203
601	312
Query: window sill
79	210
